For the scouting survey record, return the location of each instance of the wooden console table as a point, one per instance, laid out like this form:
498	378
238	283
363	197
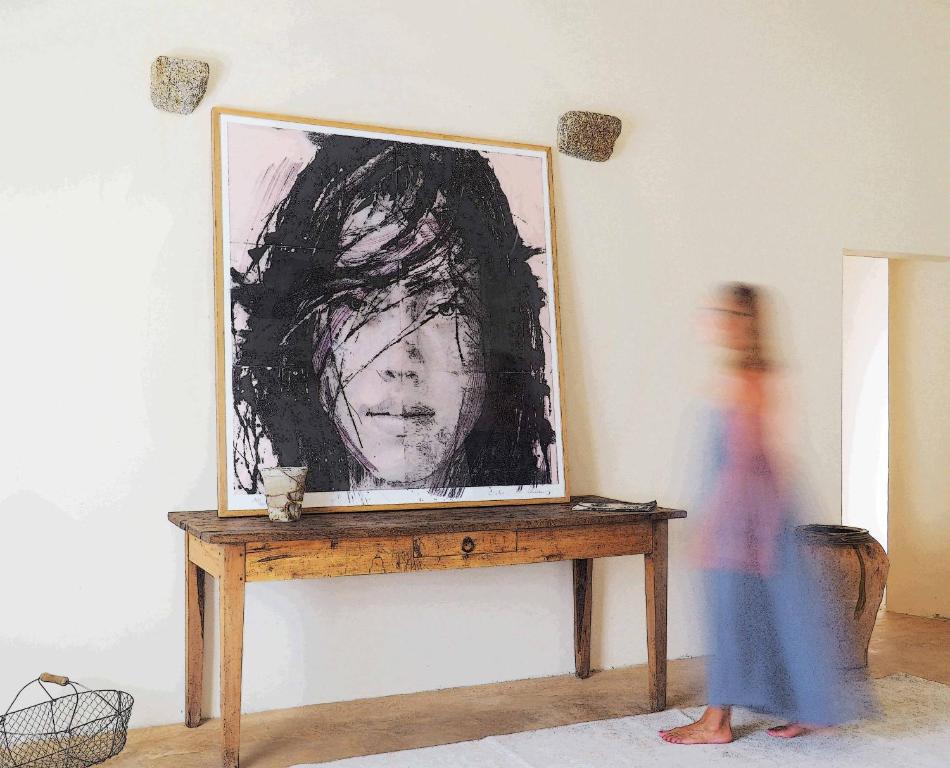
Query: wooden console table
241	549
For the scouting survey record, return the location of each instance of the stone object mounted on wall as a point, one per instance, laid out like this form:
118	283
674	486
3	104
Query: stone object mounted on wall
587	135
178	84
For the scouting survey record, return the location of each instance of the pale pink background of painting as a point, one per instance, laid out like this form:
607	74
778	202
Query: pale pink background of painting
263	163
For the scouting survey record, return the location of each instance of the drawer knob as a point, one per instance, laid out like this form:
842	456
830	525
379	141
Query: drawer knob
468	544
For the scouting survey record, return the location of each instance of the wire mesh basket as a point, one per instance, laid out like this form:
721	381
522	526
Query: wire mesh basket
77	730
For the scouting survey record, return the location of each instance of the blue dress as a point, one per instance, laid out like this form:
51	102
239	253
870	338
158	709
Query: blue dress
771	649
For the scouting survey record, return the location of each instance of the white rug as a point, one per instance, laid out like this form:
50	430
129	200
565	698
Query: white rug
912	730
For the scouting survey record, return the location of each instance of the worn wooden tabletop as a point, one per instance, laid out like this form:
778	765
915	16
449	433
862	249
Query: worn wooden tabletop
210	528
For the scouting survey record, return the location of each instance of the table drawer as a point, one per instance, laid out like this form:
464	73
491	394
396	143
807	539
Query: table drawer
267	561
471	543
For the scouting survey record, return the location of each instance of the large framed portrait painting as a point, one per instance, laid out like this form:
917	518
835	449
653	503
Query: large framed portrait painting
386	316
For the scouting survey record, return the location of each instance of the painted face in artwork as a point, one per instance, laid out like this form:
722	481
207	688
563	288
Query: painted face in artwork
407	387
403	380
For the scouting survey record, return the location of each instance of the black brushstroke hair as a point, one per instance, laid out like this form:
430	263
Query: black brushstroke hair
297	275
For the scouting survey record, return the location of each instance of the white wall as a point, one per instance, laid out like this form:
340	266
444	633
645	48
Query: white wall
864	445
919	581
759	140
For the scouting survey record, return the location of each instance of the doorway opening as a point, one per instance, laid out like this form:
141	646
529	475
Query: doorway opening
864	395
895	419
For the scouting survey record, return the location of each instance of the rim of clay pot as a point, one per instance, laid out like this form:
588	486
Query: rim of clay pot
838	534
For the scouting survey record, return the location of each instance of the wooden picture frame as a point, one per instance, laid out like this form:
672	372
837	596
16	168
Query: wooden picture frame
272	172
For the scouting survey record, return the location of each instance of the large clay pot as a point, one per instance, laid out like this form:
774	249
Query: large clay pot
851	566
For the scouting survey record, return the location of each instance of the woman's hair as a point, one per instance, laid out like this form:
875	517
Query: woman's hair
751	301
430	214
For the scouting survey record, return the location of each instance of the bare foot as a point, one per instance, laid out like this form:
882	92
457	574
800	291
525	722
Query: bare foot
703	731
790	731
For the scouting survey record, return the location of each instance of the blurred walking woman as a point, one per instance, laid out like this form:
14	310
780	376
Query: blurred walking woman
771	651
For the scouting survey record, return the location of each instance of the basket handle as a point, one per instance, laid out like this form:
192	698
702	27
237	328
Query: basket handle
46	677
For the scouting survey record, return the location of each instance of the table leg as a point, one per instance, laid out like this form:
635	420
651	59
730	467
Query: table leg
231	599
656	568
194	638
583	588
